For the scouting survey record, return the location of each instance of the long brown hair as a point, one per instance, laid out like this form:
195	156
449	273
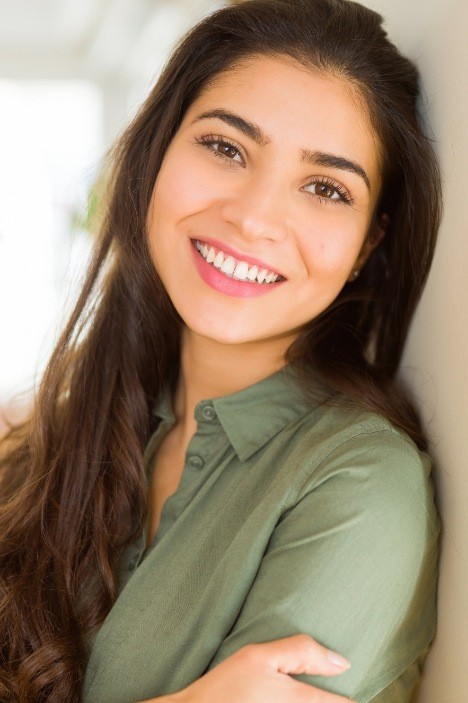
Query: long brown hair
73	484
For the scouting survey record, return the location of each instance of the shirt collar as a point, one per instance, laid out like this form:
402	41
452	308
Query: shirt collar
254	415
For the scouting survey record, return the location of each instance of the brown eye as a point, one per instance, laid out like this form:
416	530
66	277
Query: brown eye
325	191
227	150
221	148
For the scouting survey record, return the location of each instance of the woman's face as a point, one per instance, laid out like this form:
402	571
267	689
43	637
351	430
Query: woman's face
273	172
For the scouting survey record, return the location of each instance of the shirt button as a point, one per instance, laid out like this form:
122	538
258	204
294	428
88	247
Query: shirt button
208	412
196	462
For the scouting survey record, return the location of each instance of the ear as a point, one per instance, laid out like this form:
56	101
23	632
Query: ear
375	235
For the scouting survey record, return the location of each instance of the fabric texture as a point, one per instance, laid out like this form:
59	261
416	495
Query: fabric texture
291	516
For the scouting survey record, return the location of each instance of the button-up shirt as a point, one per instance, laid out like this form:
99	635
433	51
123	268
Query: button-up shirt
292	515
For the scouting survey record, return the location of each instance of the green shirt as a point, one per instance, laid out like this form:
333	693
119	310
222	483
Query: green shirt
290	517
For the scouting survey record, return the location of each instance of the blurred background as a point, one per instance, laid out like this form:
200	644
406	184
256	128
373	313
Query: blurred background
72	73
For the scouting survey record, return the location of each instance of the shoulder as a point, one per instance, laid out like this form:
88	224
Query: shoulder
358	463
352	439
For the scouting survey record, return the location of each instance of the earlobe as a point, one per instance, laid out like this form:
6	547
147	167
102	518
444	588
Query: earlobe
378	229
376	234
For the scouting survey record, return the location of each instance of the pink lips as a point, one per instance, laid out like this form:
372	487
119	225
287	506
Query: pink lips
222	283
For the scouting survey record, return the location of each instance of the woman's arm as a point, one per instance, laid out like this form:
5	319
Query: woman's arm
260	672
353	564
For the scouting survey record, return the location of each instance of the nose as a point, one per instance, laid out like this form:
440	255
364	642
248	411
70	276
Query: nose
258	208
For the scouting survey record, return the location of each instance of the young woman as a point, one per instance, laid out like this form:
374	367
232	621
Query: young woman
219	465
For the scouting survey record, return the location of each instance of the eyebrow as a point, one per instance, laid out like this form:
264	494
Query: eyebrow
315	158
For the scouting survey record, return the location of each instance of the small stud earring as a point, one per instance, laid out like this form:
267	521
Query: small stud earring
356	273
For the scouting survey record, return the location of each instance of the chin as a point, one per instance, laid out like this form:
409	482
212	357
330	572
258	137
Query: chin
225	336
221	334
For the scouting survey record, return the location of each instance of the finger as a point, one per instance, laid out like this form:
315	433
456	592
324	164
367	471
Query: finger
300	654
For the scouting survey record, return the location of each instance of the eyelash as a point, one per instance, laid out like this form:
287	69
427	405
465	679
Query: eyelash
345	197
210	140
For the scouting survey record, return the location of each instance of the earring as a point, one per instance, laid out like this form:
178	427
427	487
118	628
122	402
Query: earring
356	273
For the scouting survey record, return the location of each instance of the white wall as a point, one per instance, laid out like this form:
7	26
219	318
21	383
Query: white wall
434	34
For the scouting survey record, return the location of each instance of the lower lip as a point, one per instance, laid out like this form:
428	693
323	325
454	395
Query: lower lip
229	286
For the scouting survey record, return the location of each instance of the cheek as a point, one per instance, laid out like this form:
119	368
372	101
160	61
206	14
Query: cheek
331	251
183	187
171	190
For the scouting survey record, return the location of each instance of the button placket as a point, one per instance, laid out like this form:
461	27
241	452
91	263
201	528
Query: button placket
195	461
203	413
208	413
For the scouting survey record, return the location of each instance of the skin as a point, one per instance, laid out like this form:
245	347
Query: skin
261	200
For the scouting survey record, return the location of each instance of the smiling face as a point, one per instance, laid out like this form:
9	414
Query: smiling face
262	206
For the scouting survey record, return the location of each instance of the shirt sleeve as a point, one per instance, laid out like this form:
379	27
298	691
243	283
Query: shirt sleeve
352	562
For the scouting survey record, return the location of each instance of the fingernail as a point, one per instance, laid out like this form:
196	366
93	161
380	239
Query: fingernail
338	660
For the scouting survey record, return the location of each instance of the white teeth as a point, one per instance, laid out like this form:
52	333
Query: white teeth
211	255
252	274
233	268
218	260
228	265
241	271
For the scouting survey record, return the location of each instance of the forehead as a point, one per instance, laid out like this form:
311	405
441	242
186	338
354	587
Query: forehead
296	106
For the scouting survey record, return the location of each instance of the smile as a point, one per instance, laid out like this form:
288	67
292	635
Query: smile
229	275
234	268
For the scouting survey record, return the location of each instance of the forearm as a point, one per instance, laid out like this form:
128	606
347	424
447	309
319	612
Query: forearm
172	698
262	672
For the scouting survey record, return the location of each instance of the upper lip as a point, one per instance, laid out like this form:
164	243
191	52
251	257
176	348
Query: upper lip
238	255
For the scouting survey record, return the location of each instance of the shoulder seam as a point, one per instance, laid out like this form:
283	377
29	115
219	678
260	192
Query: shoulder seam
386	430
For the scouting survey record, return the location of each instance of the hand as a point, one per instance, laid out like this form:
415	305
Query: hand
260	672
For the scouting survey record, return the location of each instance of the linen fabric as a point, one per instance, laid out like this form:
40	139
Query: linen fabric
291	516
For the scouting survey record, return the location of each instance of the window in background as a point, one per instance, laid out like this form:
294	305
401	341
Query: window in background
51	142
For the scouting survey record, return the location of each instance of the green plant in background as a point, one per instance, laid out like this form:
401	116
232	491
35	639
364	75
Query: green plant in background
88	218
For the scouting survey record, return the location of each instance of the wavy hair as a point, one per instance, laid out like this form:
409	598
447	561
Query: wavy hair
72	483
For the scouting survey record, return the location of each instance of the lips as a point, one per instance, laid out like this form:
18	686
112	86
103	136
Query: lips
239	256
228	284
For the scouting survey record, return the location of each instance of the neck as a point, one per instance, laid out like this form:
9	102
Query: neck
210	369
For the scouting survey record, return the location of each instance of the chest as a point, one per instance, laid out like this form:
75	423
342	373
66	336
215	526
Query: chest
167	469
190	586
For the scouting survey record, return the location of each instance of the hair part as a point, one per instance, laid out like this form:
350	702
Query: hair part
73	484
